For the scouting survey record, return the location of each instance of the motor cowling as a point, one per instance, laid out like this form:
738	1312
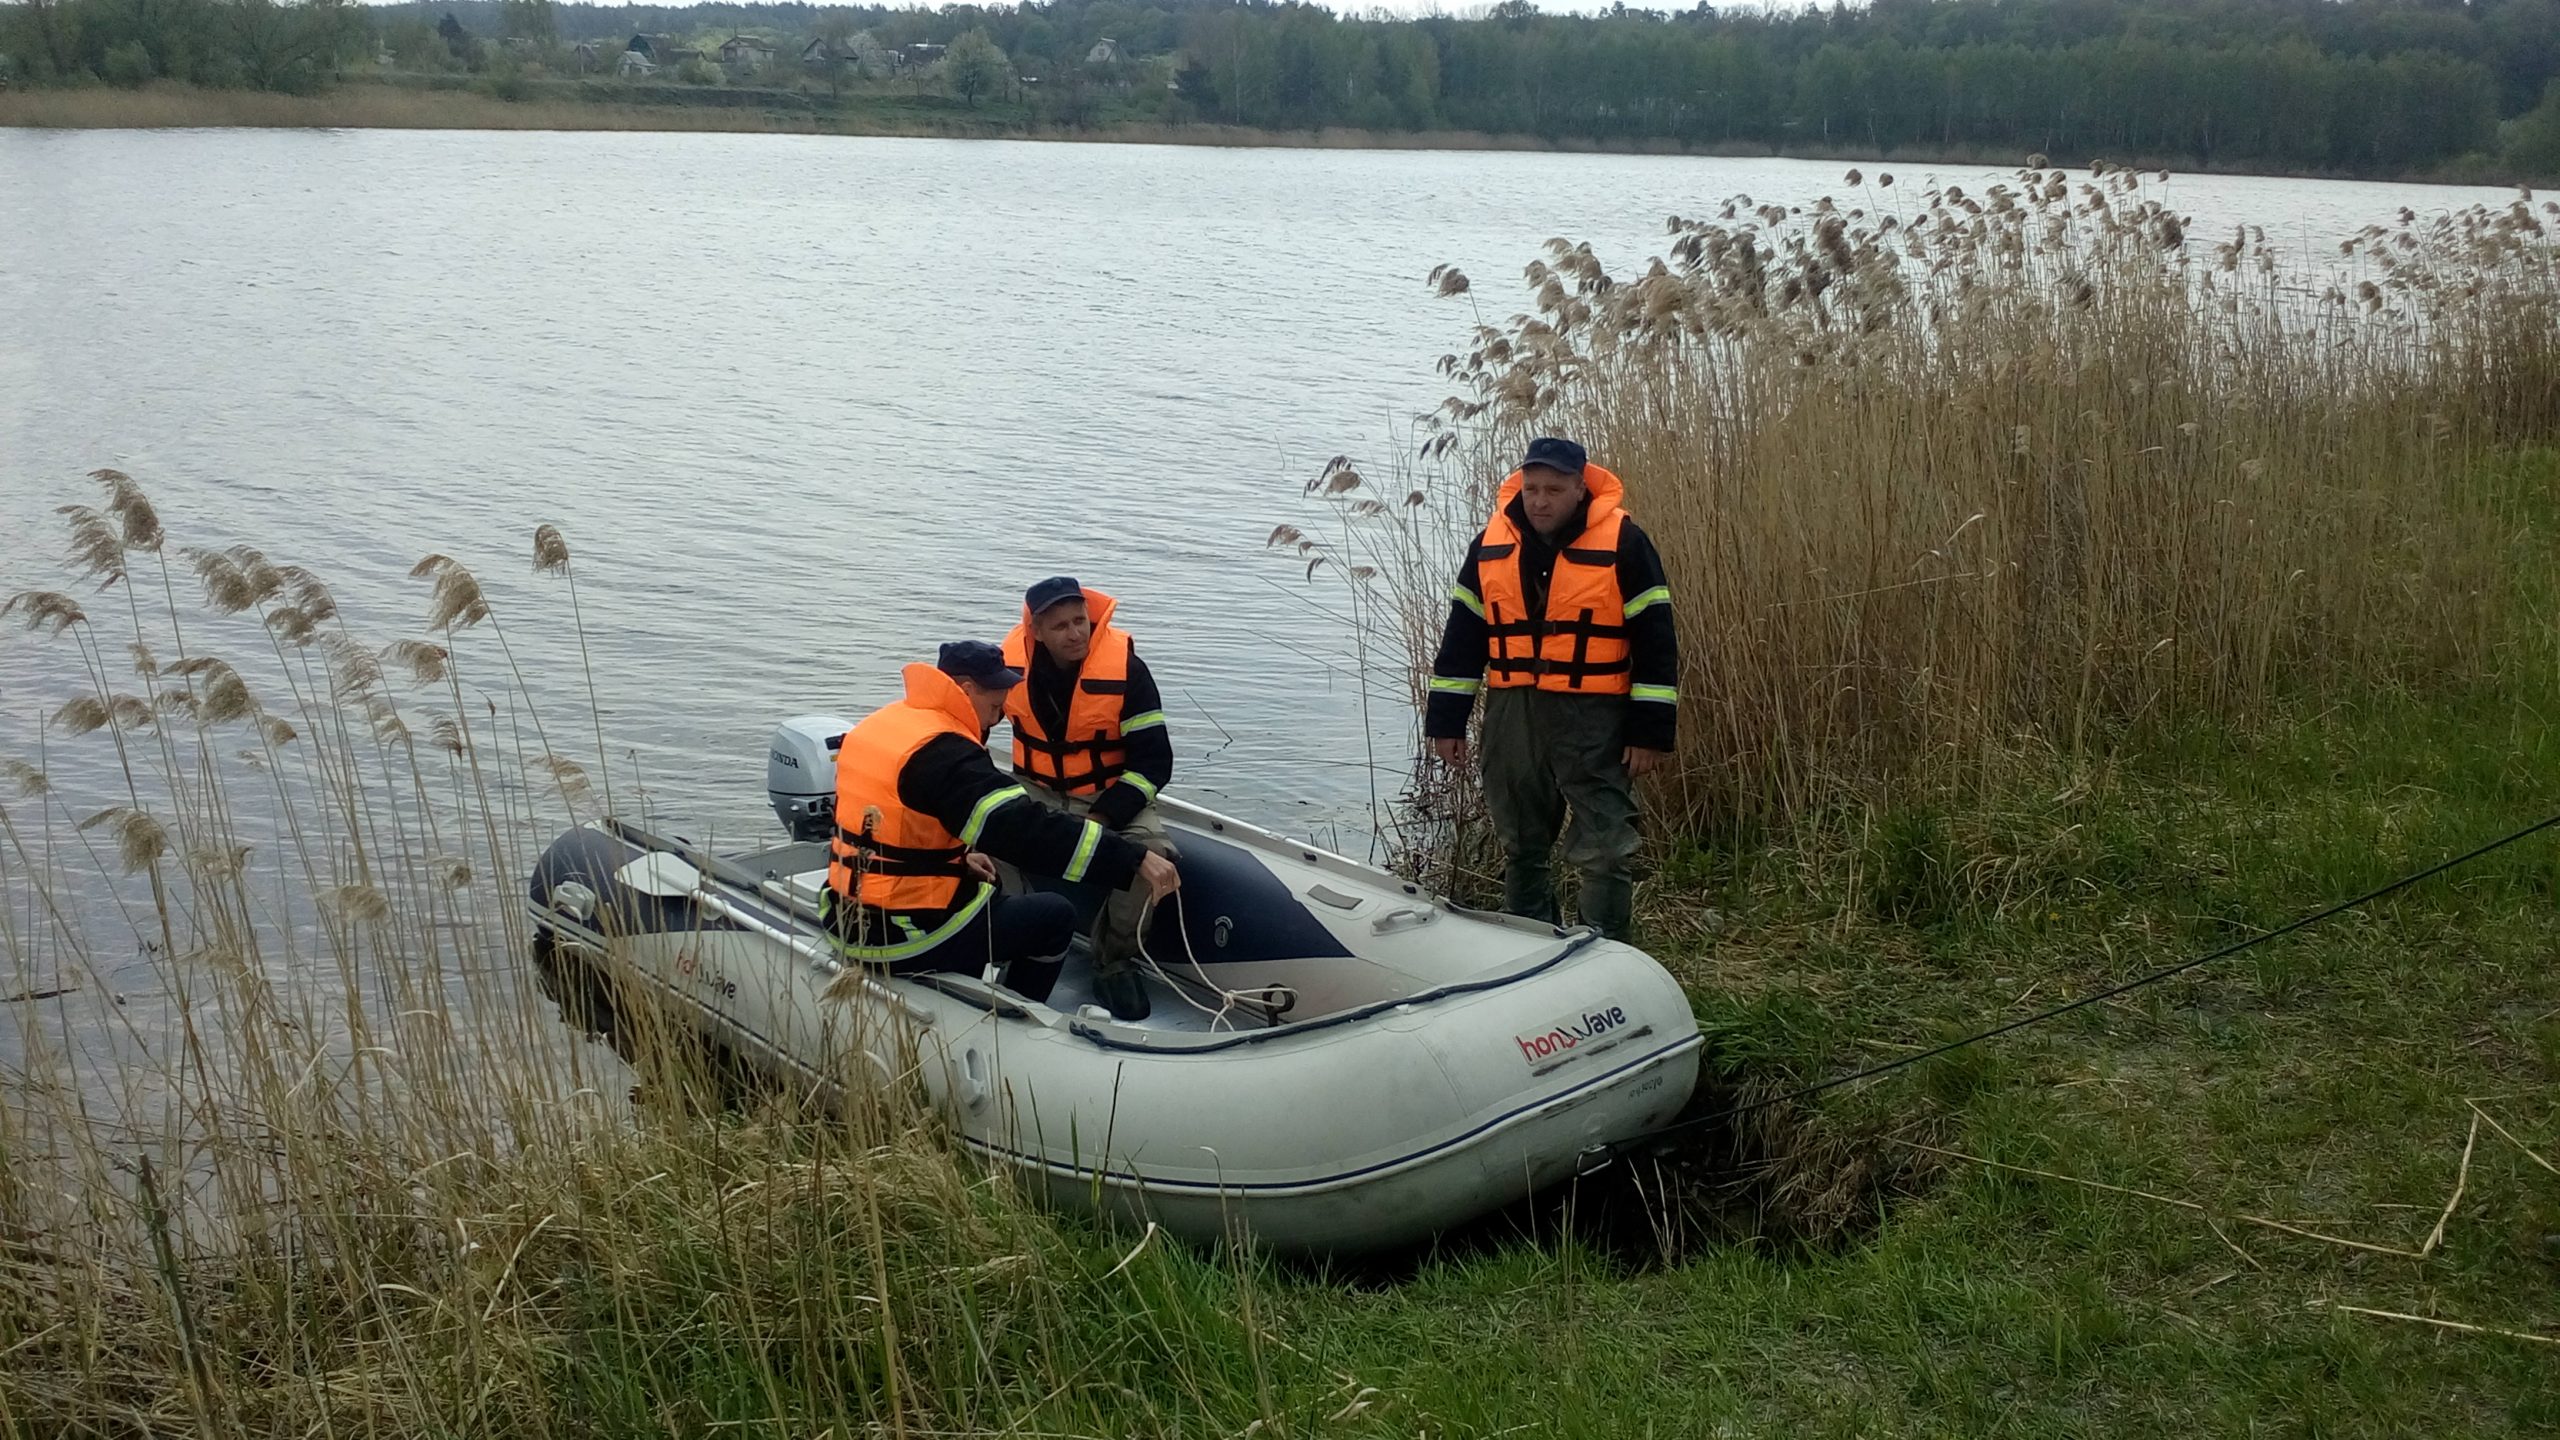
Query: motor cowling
800	774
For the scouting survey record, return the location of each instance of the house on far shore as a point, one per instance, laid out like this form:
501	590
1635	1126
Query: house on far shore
922	53
1105	51
661	51
860	50
745	52
634	65
586	57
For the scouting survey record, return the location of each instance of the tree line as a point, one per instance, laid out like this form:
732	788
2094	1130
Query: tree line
253	44
2354	86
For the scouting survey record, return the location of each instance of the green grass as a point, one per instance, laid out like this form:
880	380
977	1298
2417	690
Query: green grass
2319	1081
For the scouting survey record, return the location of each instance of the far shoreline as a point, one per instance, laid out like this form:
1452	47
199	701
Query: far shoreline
374	106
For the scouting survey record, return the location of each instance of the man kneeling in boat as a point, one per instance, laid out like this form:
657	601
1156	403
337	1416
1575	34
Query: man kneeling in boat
1089	739
922	815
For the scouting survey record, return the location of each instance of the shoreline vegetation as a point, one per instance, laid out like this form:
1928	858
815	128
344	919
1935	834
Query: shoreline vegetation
170	105
2062	595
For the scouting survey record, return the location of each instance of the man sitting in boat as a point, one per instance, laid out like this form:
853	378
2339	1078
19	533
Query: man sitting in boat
922	815
1089	739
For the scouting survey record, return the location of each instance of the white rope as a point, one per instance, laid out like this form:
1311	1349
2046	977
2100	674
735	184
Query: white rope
1230	999
1217	1017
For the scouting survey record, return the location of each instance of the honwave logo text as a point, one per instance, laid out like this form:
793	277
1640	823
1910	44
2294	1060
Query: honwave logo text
1592	1028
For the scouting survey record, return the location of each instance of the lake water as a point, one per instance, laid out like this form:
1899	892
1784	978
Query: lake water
804	405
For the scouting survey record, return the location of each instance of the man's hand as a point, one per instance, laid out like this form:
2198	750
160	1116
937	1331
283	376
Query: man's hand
1641	762
980	865
1452	752
1158	875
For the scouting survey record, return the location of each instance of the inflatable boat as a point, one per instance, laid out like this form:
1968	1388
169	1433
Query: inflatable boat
1336	1060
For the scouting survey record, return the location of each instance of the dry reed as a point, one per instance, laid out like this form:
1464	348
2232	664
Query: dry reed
1944	479
337	1168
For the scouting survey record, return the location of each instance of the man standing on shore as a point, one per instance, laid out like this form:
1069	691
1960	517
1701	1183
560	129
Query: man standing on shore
1089	739
1562	608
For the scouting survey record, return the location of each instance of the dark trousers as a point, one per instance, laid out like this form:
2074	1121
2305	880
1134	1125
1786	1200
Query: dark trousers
1552	762
1027	935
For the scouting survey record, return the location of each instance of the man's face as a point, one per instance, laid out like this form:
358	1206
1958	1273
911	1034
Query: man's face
1065	630
1549	496
987	700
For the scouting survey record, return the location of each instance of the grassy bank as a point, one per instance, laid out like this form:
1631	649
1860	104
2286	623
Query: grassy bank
595	105
553	106
2322	1085
598	106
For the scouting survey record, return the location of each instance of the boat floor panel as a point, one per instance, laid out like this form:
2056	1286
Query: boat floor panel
1171	1010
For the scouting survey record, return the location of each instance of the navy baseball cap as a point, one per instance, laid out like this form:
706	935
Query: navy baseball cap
1555	454
978	661
1050	592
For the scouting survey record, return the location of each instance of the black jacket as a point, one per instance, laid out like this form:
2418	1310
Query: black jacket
1147	751
954	780
1653	642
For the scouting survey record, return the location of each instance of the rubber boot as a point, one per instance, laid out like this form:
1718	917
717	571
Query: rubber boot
1124	994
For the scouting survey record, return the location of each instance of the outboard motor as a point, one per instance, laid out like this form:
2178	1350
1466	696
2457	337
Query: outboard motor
800	774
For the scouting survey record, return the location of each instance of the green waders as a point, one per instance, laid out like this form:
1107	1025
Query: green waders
1556	762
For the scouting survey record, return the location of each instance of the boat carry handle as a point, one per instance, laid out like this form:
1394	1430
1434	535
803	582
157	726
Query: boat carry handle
1403	917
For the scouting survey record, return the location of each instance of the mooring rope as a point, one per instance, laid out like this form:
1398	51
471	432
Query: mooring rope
1260	996
2111	992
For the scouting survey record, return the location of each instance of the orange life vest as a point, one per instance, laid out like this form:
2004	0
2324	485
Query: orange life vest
1578	642
885	855
1091	754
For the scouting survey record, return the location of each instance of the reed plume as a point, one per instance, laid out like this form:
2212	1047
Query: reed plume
140	840
424	658
31	782
44	610
550	551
